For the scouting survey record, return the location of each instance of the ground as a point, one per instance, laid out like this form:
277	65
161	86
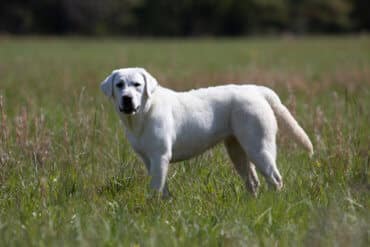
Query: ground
68	176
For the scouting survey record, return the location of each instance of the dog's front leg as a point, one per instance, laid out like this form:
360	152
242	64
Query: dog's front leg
158	172
165	192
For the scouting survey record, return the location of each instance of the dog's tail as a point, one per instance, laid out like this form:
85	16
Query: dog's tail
286	120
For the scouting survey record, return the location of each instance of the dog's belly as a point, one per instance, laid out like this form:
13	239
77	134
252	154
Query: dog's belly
199	145
196	137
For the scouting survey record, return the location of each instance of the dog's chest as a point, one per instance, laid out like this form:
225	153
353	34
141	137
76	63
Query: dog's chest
135	143
142	145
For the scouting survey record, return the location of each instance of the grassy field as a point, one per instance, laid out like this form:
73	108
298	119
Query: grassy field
68	176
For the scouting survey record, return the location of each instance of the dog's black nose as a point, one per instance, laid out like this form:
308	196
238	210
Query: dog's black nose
126	100
127	105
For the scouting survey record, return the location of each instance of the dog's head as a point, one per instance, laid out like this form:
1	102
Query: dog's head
129	88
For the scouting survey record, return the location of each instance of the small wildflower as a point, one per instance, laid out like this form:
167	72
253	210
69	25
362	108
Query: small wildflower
317	164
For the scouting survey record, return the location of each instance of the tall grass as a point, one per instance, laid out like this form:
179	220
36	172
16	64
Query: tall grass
69	177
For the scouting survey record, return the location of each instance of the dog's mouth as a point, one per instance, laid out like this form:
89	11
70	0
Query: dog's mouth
128	109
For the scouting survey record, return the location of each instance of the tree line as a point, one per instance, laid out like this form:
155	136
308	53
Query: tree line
183	17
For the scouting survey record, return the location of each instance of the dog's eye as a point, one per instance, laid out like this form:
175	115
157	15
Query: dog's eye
119	84
136	84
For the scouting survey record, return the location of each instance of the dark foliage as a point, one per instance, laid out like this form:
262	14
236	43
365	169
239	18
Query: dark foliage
182	17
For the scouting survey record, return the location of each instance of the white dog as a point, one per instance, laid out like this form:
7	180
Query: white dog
165	126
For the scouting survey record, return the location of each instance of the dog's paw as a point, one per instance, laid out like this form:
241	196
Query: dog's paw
155	195
252	186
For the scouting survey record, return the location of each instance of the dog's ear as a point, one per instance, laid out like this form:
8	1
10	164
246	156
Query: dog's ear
150	83
107	85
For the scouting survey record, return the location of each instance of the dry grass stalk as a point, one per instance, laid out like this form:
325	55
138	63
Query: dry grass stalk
42	142
21	129
32	137
319	121
4	129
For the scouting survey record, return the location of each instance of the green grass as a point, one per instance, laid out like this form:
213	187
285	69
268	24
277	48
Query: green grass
69	177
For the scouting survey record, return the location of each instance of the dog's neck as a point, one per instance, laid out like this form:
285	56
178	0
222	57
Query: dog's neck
134	124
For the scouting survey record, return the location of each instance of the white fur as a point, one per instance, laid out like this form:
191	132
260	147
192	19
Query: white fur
172	126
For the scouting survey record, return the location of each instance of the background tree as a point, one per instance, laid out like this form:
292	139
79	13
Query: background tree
182	17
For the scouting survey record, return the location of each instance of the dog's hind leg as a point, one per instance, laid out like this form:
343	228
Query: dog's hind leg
263	154
257	137
244	167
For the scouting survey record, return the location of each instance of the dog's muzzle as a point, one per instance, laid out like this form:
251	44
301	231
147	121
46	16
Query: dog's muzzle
127	105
